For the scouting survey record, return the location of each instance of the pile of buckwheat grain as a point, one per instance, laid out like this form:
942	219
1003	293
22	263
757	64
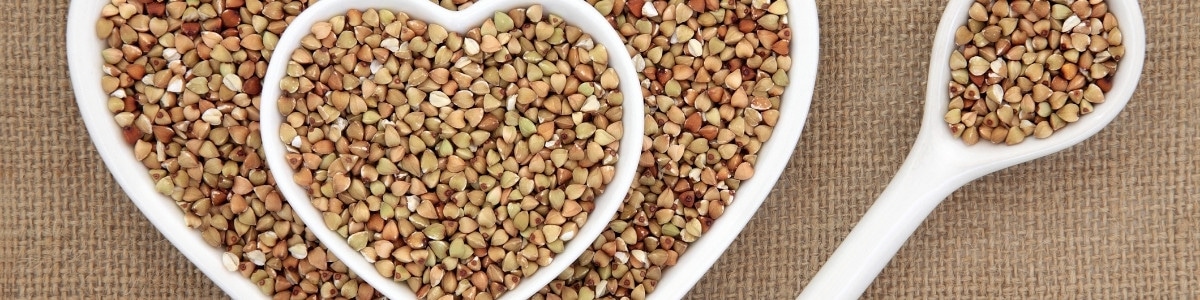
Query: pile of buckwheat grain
712	72
1028	68
183	79
456	163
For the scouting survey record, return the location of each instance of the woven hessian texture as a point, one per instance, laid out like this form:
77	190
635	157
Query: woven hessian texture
1116	217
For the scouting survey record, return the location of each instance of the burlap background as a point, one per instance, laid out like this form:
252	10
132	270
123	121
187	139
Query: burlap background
1116	217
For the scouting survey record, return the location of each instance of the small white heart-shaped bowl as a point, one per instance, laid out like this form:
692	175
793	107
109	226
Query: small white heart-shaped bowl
577	13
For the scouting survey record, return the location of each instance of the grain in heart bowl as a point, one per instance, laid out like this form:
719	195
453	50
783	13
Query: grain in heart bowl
453	159
267	251
456	163
170	92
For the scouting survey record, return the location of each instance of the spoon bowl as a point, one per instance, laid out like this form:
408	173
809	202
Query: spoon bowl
577	13
938	163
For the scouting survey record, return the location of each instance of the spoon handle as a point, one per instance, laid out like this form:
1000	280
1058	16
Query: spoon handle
925	179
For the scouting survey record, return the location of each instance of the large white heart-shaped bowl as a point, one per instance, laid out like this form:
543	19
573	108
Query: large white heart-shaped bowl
83	52
576	13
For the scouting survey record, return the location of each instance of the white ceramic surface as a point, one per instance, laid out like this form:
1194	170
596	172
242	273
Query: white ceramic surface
939	164
85	63
577	13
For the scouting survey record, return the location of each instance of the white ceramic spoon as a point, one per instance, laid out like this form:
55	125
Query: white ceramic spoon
939	164
577	13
